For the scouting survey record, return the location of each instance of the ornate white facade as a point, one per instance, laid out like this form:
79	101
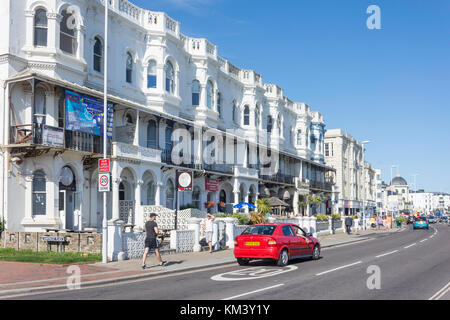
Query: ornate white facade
158	80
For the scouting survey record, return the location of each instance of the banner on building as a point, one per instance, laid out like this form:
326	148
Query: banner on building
85	114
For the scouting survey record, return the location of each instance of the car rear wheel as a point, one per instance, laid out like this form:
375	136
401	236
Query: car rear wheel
316	253
283	259
243	261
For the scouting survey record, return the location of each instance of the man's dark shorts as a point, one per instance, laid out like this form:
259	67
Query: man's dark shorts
151	243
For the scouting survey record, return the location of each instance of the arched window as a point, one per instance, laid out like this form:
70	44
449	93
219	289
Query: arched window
196	198
170	195
170	77
299	137
209	95
67	39
257	116
40	28
246	115
151	192
121	191
39	193
279	125
39	105
219	104
151	135
168	139
151	74
128	118
195	93
269	124
129	68
98	54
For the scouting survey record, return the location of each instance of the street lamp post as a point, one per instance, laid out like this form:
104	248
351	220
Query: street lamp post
105	128
364	183
392	214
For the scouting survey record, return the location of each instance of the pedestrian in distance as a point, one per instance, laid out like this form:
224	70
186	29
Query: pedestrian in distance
151	240
207	230
348	223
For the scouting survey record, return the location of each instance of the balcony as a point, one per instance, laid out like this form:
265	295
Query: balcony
280	178
129	151
249	173
326	186
42	135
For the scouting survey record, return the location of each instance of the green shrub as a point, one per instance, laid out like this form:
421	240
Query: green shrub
401	219
221	215
242	218
336	216
321	217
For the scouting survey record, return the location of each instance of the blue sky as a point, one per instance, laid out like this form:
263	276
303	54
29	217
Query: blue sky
390	86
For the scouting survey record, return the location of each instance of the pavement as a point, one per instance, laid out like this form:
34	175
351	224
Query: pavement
21	277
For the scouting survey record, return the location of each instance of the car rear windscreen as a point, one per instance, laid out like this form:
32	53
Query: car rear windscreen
260	230
421	219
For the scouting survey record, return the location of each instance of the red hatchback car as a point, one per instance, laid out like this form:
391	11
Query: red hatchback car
278	241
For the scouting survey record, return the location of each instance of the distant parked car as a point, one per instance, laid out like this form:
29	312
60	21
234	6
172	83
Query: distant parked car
421	223
280	242
432	219
443	219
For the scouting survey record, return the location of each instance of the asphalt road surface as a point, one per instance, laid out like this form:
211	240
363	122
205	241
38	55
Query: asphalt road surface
412	264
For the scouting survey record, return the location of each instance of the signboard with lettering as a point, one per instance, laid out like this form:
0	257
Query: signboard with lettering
103	165
52	136
211	184
52	239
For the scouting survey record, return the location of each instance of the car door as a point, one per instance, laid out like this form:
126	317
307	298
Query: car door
302	240
289	239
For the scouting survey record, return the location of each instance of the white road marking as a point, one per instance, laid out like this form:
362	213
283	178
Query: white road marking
348	265
252	273
410	245
256	291
385	254
423	240
441	292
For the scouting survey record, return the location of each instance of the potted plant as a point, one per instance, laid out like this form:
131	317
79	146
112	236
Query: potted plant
209	204
222	206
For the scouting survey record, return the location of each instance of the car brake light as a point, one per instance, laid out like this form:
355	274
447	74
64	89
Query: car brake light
271	243
235	243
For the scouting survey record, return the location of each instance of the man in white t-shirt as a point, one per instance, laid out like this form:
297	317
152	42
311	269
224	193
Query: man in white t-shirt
208	230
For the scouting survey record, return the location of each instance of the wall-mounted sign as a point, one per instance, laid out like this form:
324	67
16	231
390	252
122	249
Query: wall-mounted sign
184	180
85	114
211	184
52	136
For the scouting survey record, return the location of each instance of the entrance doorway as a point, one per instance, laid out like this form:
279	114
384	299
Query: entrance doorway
69	201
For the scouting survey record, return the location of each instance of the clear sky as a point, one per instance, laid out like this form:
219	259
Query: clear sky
389	86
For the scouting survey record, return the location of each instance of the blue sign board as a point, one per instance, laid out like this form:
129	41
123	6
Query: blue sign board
85	114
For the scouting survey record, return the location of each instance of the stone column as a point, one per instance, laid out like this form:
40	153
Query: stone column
29	25
295	202
136	132
215	237
115	250
115	199
138	214
158	193
194	224
313	226
229	230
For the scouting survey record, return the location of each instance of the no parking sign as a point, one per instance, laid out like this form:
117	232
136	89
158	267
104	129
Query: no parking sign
104	182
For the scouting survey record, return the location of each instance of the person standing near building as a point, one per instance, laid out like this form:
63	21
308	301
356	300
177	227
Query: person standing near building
151	240
208	230
348	223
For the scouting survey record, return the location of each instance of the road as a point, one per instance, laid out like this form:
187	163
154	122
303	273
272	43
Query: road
412	264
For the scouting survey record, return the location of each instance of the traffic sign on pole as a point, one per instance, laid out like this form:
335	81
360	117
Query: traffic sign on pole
104	182
103	165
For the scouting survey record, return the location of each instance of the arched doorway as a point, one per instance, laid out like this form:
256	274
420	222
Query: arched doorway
69	200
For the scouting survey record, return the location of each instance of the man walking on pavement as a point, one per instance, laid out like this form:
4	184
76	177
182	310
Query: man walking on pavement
151	241
348	223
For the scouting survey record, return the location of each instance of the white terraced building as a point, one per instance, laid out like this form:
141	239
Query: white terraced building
51	63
